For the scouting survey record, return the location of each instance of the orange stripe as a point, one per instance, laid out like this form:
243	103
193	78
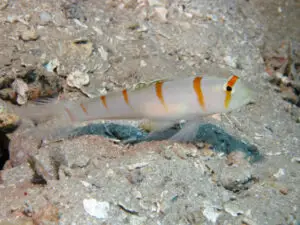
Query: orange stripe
83	108
232	80
125	95
103	100
198	91
230	83
159	94
70	114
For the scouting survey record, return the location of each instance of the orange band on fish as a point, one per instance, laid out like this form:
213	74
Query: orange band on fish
125	96
229	87
198	91
161	100
70	114
103	100
159	94
83	108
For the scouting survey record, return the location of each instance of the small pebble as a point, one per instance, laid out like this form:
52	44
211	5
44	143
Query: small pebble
103	53
52	65
236	158
295	159
233	209
96	208
78	79
21	88
137	194
236	178
247	221
207	152
143	63
211	213
161	13
284	191
137	165
45	18
280	173
230	61
29	35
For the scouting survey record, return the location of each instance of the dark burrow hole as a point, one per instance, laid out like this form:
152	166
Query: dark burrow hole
4	153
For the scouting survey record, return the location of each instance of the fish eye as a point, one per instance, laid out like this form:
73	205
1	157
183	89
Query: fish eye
228	88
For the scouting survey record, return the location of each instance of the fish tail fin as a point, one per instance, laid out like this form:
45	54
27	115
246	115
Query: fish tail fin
50	117
44	110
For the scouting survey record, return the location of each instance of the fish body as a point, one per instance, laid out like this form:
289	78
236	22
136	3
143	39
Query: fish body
164	100
163	103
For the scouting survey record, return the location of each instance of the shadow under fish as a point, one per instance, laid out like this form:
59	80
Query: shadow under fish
207	133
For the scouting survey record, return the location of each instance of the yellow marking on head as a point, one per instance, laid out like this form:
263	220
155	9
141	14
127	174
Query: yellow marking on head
198	91
83	108
229	89
103	100
159	94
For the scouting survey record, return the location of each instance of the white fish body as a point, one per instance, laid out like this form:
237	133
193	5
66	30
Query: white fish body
165	101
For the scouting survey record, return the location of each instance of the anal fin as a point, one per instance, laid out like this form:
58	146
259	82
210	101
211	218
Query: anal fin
159	130
188	133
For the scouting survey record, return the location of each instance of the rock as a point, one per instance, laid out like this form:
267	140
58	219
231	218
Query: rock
59	19
21	88
103	53
135	177
210	212
21	146
5	60
29	35
161	13
236	158
8	120
280	173
45	18
47	215
80	48
8	94
74	11
3	4
137	165
143	63
52	65
248	221
284	191
78	79
137	194
296	159
96	208
236	178
289	95
230	61
233	209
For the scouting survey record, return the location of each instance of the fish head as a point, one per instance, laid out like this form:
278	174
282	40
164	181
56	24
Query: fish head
237	93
